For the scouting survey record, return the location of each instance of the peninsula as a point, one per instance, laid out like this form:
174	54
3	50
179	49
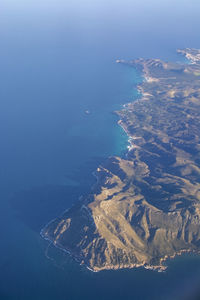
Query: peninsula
145	207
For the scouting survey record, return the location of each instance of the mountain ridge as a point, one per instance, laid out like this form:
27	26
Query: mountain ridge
144	207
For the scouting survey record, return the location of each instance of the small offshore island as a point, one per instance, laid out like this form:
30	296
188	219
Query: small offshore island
145	207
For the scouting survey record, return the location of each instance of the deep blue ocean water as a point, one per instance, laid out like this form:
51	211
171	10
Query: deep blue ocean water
57	61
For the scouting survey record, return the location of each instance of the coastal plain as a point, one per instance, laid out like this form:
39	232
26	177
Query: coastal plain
145	206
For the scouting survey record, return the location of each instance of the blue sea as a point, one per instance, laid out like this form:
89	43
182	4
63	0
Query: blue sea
59	87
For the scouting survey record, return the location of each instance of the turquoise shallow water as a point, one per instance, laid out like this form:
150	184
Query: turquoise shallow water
57	60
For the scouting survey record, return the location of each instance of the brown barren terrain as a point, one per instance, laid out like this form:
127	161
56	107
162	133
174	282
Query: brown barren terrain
145	207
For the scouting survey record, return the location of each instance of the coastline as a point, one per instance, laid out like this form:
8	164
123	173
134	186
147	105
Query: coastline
128	148
160	267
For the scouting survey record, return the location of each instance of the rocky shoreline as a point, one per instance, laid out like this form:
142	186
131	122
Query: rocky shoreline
144	209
